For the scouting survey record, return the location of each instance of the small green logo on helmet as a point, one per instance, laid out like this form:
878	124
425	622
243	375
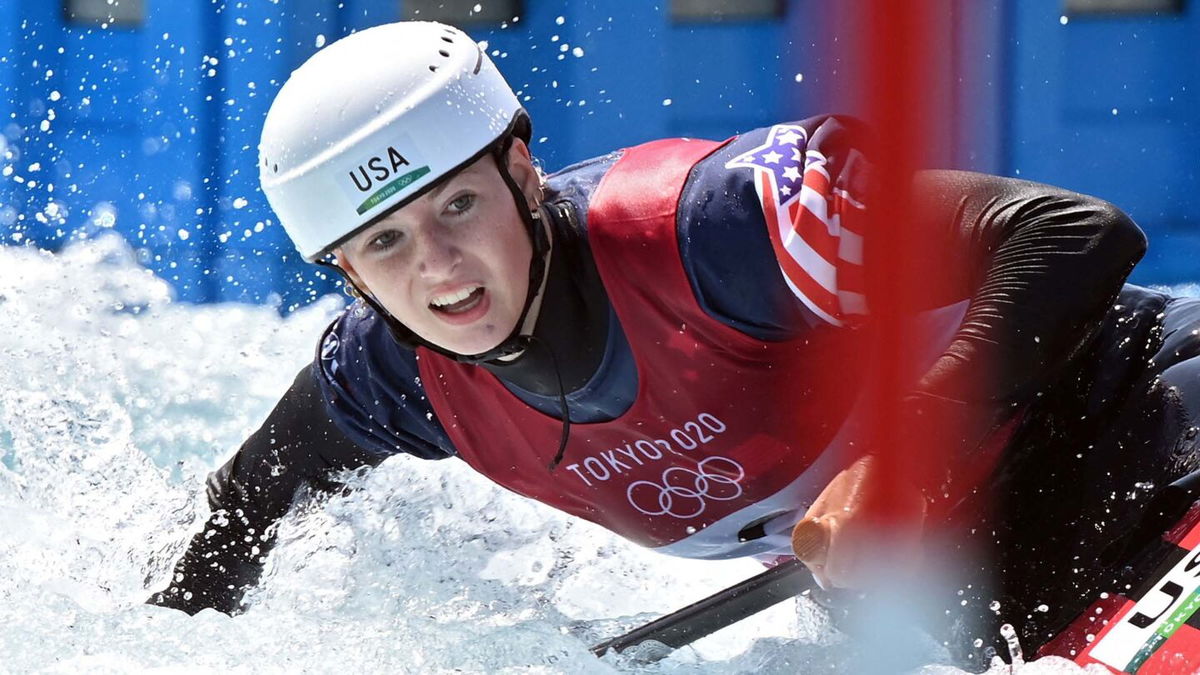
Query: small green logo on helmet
391	188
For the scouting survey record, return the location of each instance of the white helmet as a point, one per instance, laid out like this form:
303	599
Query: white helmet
373	121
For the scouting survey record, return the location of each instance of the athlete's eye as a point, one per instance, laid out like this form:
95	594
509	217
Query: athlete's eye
386	239
461	204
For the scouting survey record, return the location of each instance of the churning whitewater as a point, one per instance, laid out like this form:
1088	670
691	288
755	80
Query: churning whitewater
115	402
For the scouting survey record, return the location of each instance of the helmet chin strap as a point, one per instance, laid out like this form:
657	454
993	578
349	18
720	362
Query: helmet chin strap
516	342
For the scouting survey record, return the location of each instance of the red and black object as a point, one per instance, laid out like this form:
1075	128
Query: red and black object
1149	623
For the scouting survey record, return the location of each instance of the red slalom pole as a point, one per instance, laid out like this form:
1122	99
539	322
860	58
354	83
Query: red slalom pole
904	94
901	70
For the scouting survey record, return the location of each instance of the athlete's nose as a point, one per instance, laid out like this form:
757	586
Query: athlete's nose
437	254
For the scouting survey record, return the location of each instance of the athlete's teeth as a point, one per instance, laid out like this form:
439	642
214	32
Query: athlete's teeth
454	297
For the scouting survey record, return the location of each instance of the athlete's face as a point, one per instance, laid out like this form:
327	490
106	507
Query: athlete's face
453	266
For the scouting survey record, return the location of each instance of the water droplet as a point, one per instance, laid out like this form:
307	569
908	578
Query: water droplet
1015	653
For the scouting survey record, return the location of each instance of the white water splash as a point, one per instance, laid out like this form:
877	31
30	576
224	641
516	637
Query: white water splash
115	402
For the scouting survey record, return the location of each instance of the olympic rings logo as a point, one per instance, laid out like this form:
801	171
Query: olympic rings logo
684	493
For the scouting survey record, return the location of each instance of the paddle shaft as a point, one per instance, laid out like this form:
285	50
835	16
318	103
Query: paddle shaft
717	611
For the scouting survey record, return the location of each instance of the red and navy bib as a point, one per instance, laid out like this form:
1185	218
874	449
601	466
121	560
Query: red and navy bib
724	426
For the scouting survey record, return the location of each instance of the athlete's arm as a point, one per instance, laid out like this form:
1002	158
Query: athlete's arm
297	445
359	402
1041	266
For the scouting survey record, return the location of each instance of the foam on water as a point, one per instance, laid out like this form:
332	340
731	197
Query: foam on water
116	401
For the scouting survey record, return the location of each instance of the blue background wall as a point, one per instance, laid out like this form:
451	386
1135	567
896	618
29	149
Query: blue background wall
1110	105
152	130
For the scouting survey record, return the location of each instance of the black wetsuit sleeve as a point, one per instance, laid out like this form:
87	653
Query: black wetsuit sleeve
298	445
1040	265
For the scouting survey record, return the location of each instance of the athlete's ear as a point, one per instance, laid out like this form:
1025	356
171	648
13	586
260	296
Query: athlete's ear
343	261
520	167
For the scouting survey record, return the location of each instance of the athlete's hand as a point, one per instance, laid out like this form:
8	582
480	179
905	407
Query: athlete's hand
850	540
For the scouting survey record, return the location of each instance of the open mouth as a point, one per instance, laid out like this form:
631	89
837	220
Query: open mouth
458	302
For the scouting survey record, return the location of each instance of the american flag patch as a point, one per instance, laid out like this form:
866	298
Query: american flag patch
814	224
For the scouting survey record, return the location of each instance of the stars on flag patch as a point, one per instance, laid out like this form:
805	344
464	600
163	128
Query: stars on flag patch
814	224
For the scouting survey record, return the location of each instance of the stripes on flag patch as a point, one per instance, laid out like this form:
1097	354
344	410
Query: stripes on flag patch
815	226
